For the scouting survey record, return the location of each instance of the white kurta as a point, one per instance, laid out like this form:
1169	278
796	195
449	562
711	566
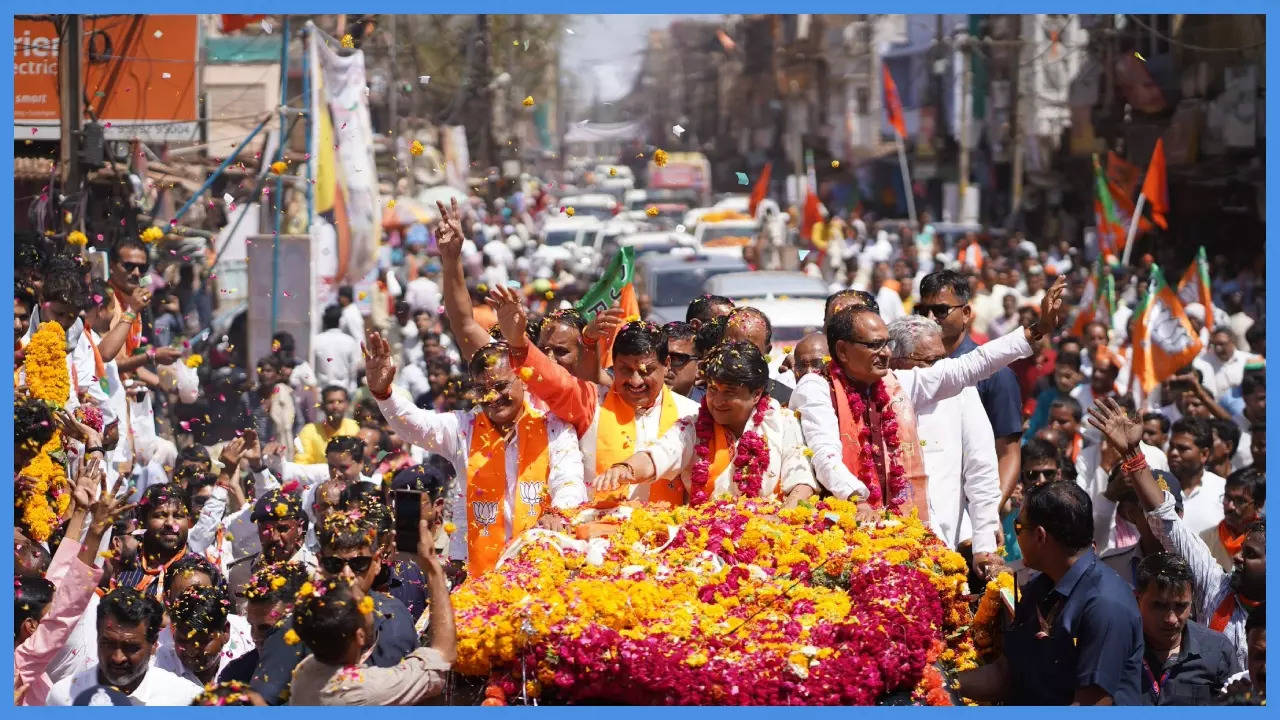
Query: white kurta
946	378
449	434
673	456
959	450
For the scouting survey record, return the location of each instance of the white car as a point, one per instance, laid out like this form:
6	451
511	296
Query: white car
726	237
792	319
635	200
615	172
597	205
735	203
767	284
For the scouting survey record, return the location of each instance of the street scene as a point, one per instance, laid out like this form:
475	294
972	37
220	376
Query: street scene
515	360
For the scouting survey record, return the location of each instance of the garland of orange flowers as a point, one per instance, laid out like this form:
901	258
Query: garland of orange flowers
43	503
984	628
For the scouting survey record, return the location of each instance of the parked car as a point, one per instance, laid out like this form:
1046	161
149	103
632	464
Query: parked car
672	282
647	243
770	284
600	206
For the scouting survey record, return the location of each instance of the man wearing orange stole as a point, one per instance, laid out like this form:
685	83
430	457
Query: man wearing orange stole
741	443
614	422
517	465
859	418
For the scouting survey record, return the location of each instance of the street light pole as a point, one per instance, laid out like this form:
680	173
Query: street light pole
71	96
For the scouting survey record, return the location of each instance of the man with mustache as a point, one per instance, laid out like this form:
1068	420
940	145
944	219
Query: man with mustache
519	465
858	378
128	627
616	421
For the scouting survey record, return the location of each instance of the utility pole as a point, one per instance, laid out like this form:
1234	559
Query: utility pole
393	105
1018	131
71	97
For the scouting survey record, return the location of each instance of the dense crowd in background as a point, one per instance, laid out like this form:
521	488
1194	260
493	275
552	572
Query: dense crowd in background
287	528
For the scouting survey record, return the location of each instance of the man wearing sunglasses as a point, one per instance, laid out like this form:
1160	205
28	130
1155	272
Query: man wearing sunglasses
859	342
944	297
349	551
682	357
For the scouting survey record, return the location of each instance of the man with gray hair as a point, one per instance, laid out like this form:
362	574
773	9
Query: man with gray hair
958	446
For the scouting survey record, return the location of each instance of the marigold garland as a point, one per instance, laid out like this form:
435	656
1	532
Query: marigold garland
733	602
42	504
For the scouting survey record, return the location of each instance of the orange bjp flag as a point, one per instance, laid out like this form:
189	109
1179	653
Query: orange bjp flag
760	190
1163	339
893	103
1156	186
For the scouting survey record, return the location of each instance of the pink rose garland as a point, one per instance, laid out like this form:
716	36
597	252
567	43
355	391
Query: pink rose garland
871	457
749	462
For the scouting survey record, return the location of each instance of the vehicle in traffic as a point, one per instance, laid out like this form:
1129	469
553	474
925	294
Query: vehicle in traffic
767	284
600	206
685	172
648	243
726	232
792	318
672	282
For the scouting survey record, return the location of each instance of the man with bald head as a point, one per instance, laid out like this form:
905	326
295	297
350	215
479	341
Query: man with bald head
747	324
810	355
861	393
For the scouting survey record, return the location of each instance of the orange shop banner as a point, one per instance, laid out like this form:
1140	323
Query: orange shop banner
139	72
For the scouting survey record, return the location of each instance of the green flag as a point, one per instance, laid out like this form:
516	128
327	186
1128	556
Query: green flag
607	291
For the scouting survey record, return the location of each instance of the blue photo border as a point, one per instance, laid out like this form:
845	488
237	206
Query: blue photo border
673	7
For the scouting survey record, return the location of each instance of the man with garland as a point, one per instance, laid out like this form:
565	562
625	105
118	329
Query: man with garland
859	417
520	465
613	422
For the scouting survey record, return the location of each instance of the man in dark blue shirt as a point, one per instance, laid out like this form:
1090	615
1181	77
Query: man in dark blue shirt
1076	637
1186	663
944	296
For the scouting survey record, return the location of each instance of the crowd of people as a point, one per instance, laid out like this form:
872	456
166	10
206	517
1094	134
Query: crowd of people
290	532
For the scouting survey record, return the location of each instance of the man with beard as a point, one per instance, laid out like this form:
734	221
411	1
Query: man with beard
517	463
201	625
315	437
1190	444
128	626
165	517
859	379
282	527
1222	599
1243	499
612	422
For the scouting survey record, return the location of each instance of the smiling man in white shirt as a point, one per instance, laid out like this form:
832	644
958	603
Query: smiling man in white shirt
958	446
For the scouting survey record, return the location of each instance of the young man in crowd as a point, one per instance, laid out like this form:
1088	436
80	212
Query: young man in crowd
269	598
1190	445
682	357
1243	499
336	354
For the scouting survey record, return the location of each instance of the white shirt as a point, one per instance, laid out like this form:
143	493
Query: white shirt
890	304
1202	507
158	687
337	359
947	377
423	294
1226	375
238	643
414	380
449	434
1210	585
352	322
673	456
959	450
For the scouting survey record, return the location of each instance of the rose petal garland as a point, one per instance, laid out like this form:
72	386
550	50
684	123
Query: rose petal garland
747	604
42	504
871	457
750	460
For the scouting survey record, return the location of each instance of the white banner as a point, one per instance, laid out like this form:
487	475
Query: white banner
344	86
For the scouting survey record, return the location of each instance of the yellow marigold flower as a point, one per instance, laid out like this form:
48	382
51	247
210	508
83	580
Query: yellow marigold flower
278	167
449	528
391	204
366	605
306	590
416	148
277	582
835	163
695	660
151	234
569	211
651	211
281	509
348	41
549	294
526	373
660	157
826	359
528	101
613	172
633	318
808	452
194	360
75	237
291	637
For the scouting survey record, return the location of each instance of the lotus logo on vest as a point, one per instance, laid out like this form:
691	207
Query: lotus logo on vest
485	514
531	494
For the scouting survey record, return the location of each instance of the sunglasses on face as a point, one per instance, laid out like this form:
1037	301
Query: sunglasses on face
938	312
132	267
333	565
872	345
679	360
1036	477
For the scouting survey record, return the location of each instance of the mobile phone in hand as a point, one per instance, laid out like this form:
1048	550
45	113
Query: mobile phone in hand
408	511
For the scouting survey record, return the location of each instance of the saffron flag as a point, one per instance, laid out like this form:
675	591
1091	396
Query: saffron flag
761	189
1194	286
1163	339
1111	229
893	103
1156	187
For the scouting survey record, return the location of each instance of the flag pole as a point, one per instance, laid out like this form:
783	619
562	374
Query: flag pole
906	180
1133	229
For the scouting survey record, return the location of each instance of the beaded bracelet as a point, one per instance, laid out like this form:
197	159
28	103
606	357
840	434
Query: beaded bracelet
1134	464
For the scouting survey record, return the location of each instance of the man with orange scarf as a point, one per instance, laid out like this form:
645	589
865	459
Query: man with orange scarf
859	418
517	465
615	421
